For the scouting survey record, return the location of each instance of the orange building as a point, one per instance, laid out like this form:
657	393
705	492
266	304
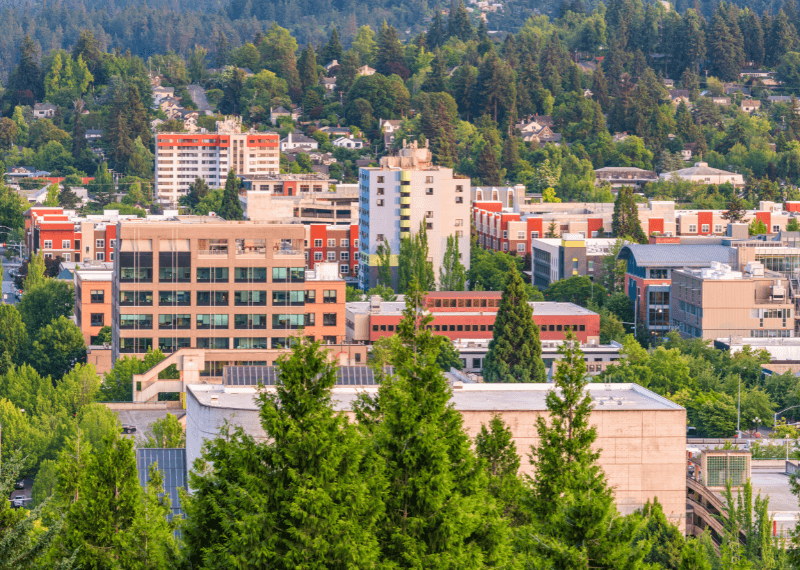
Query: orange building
93	292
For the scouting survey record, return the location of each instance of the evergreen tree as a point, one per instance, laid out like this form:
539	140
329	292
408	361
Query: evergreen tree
102	187
600	89
459	25
576	520
333	49
67	198
438	512
231	208
307	68
488	166
510	155
27	75
222	53
78	130
495	446
736	210
437	78
197	191
307	496
452	275
625	219
515	351
437	33
575	79
390	58
348	71
495	89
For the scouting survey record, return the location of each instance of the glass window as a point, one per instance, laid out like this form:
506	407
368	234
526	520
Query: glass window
250	343
250	298
97	319
329	319
329	296
98	296
250	321
129	345
133	298
212	274
174	298
290	298
213	342
211	321
138	274
283	321
136	321
207	298
212	246
175	274
311	296
250	274
283	274
170	344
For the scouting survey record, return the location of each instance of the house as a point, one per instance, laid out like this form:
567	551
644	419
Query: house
725	101
167	103
44	111
619	176
700	173
669	83
155	123
335	131
678	95
19	172
161	92
347	142
275	113
93	134
756	73
365	70
538	132
329	83
732	88
619	137
389	127
295	141
750	105
688	151
785	100
330	66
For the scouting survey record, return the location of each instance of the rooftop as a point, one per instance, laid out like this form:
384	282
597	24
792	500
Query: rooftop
542	309
465	397
675	255
699	169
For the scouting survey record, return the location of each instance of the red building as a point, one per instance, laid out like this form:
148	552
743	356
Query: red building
500	230
333	244
469	314
60	233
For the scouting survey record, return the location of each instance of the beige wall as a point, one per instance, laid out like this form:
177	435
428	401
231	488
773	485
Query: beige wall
642	453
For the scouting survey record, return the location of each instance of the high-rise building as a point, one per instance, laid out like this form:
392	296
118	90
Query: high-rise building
181	158
407	190
200	282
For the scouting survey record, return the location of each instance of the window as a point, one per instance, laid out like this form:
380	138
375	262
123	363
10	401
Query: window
717	228
174	274
331	242
459	199
128	345
249	322
658	273
429	191
380	238
212	274
331	256
99	244
100	256
213	343
380	191
135	322
692	228
317	243
174	321
380	179
429	180
329	296
776	228
249	343
317	256
77	245
520	247
284	274
288	298
429	225
208	298
98	296
283	321
97	319
345	256
135	298
534	235
379	202
66	244
591	265
344	269
48	244
344	242
68	256
211	321
329	319
459	188
311	296
174	298
257	298
250	274
705	228
169	344
212	247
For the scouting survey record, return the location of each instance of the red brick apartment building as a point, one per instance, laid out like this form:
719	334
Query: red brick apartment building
339	244
468	314
61	233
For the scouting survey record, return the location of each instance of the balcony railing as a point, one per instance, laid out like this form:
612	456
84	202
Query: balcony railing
212	252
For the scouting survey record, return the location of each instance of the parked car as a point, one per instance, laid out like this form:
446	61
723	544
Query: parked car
18	501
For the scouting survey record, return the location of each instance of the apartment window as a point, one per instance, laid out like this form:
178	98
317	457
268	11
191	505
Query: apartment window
174	298
591	265
284	274
345	256
249	322
317	256
175	274
211	321
331	242
288	298
329	319
380	238
129	345
692	228
256	298
344	242
505	246
97	296
379	202
100	256
429	180
521	247
68	257
97	319
717	228
705	228
311	296
77	245
250	275
66	244
127	322
776	228
429	214
174	321
284	321
99	244
380	179
429	191
380	191
331	256
344	269
459	188
534	235
329	296
505	234
574	265
48	244
213	343
209	298
250	343
135	298
212	274
459	223
459	199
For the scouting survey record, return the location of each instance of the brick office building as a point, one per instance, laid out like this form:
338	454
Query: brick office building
333	244
468	314
199	282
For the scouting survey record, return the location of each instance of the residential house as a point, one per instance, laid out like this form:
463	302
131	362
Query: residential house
619	176
348	142
160	93
330	66
276	112
93	134
389	127
294	141
688	151
701	173
168	104
751	105
756	73
538	130
669	83
44	111
725	101
329	83
365	70
732	88
678	95
335	131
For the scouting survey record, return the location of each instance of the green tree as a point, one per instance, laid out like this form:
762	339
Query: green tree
164	433
413	261
307	68
757	227
625	219
57	348
231	208
13	337
452	275
578	289
197	191
384	250
197	64
117	384
36	269
390	56
666	540
67	198
448	357
488	167
102	187
459	25
45	303
793	225
317	505
577	524
496	448
515	351
333	49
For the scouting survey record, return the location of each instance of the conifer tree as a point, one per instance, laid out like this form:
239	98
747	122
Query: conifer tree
438	76
307	68
600	89
307	496
459	25
222	54
576	520
515	351
452	275
625	219
495	446
438	513
197	191
390	58
231	208
488	166
78	130
67	198
437	33
333	49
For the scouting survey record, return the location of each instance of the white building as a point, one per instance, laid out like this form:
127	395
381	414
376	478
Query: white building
44	111
347	142
293	141
701	173
405	190
182	158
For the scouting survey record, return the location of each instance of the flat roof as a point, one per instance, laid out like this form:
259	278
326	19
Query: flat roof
539	308
465	397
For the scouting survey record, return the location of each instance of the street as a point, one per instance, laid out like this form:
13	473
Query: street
9	296
199	97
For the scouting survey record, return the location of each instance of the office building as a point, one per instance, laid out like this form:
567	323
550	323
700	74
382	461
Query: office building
181	158
554	259
93	295
641	436
467	315
407	190
201	282
717	301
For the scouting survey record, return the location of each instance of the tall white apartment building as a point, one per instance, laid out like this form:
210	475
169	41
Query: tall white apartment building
405	190
181	158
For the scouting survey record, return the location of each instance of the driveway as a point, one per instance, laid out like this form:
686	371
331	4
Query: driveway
198	95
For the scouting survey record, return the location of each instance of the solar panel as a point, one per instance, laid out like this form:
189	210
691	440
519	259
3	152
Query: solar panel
269	375
172	465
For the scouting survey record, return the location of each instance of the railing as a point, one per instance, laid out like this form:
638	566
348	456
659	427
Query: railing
288	252
211	252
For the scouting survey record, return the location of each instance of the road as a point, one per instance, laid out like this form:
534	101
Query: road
8	284
198	95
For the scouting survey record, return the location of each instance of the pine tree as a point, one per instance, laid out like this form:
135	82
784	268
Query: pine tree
625	219
67	198
26	76
222	54
736	210
459	25
307	496
434	478
600	89
307	68
438	76
333	49
452	275
437	33
197	191
102	187
576	520
515	351
390	58
78	130
231	208
348	71
488	167
495	446
510	154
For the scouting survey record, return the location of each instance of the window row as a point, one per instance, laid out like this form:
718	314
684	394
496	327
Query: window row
213	321
212	275
456	303
221	298
171	344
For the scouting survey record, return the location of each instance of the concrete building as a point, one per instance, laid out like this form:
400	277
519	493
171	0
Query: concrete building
467	315
554	259
784	353
701	173
717	301
181	158
642	436
619	176
649	276
93	296
201	282
299	198
406	190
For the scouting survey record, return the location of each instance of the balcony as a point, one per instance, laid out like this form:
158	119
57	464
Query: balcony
405	223
214	252
405	200
282	252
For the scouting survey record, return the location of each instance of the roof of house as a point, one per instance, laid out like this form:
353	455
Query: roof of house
299	138
673	93
699	169
625	169
44	106
675	255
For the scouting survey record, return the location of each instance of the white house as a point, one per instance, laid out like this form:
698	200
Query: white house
276	112
44	111
347	142
295	141
700	173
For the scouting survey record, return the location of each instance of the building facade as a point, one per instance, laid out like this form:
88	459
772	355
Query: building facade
333	244
199	282
407	190
181	158
571	255
93	296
